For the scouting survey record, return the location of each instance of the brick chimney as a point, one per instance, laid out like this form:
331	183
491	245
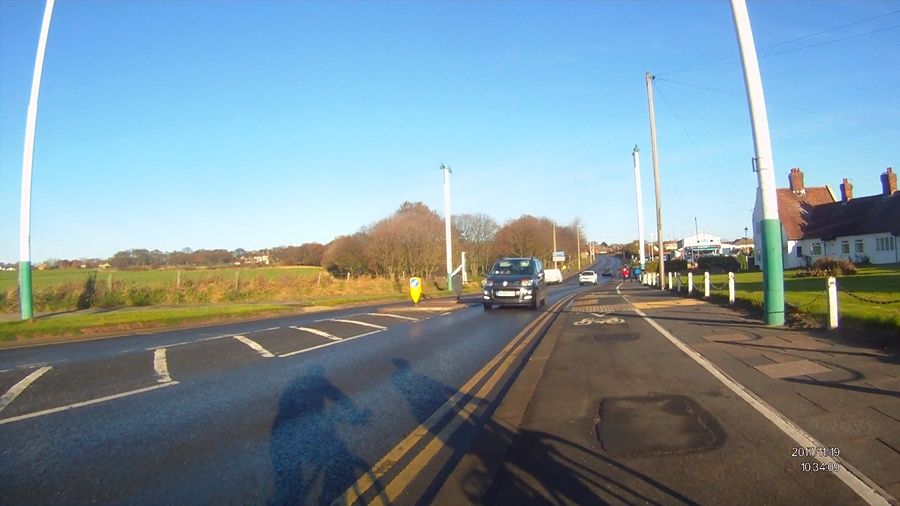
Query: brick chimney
795	178
888	182
846	191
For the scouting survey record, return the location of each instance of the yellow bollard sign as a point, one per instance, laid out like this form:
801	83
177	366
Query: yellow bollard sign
415	289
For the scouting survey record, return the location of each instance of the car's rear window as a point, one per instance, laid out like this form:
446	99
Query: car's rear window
588	273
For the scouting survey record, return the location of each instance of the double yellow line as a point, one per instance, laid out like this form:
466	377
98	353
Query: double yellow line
392	489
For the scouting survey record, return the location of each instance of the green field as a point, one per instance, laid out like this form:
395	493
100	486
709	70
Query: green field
808	295
55	277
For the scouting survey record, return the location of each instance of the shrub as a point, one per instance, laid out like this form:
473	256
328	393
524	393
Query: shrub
827	266
725	263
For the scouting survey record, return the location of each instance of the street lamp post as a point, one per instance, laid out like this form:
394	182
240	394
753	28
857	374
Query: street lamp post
25	295
447	225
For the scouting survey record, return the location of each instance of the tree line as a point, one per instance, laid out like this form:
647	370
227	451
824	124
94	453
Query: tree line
410	242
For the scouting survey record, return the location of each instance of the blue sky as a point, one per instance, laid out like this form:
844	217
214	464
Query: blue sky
251	124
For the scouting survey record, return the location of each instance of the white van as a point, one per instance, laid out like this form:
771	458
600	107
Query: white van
553	276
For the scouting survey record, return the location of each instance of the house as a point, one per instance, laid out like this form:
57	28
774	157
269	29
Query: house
816	224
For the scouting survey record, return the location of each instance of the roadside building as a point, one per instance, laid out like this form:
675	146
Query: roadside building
698	245
816	224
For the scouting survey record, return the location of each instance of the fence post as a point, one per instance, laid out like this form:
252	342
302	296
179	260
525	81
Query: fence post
109	281
690	283
236	280
670	281
832	304
705	285
679	281
731	288
178	280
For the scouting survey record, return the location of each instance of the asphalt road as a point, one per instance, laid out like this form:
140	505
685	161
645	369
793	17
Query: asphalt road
287	410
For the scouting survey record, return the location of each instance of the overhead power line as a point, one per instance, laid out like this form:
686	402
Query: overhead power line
727	60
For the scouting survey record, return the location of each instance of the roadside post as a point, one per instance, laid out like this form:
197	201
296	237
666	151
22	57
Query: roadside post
731	288
705	285
670	281
415	289
832	304
690	283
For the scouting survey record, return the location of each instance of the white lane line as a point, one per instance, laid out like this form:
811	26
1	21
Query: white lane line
262	330
182	343
84	403
329	344
20	387
357	322
317	332
393	316
161	366
255	346
864	487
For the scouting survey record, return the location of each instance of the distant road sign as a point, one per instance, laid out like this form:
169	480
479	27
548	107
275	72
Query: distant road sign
559	256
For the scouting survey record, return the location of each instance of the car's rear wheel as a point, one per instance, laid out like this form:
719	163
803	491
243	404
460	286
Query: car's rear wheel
487	306
534	302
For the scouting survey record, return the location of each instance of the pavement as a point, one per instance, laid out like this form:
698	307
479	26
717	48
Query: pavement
637	396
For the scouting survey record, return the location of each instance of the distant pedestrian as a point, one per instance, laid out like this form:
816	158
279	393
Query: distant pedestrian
625	273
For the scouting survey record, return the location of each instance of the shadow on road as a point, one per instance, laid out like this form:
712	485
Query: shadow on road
307	452
521	467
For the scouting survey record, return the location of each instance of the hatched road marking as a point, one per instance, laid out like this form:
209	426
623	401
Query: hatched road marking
357	322
20	387
85	403
317	332
338	341
161	366
393	316
255	346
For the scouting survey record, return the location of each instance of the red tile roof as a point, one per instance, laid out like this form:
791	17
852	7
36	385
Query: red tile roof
794	209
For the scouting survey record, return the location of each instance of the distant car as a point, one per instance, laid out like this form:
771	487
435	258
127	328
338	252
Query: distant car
553	276
607	273
587	278
515	282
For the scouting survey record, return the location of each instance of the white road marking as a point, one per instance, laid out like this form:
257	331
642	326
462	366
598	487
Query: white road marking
262	330
255	346
864	487
317	332
357	322
84	403
161	366
182	343
393	316
20	387
329	344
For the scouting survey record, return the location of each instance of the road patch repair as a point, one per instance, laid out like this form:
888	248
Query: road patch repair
656	425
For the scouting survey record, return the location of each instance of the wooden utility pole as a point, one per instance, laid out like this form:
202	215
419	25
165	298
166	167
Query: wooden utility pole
662	258
578	242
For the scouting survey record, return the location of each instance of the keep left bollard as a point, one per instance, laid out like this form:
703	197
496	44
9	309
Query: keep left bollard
832	304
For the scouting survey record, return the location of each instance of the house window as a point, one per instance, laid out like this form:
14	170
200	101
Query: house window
799	251
845	247
884	243
859	246
817	249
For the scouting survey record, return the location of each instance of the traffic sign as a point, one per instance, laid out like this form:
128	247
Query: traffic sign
559	256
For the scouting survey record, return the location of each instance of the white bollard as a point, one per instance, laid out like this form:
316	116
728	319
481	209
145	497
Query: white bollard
705	285
670	281
731	288
690	283
832	304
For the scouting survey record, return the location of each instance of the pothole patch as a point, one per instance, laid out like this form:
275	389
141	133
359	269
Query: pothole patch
656	425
